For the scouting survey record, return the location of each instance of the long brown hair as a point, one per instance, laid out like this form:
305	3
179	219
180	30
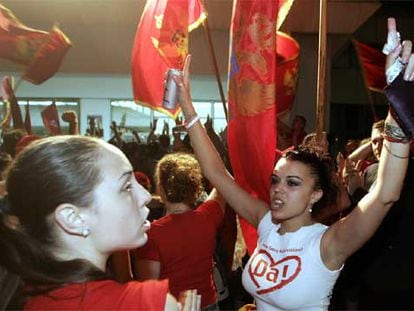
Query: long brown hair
49	172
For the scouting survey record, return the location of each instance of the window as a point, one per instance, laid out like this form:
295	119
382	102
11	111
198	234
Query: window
130	116
37	105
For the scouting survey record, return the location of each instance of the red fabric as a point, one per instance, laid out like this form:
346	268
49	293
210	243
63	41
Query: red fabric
373	63
251	98
40	51
142	179
184	245
286	71
48	57
50	119
104	295
18	43
156	49
8	95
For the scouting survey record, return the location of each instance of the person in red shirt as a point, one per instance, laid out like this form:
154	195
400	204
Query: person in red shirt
181	245
71	202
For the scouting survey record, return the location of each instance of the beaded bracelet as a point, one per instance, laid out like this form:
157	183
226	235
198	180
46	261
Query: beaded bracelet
189	124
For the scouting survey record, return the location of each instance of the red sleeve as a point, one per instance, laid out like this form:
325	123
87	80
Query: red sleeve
148	295
104	295
150	250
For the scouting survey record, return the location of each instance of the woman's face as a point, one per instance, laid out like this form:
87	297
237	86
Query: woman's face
292	191
118	217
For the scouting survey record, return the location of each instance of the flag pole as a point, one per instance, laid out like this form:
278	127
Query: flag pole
321	85
215	66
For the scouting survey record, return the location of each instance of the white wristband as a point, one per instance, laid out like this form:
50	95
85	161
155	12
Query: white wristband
191	123
393	40
394	70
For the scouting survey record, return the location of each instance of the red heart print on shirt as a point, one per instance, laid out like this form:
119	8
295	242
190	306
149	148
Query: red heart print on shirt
269	275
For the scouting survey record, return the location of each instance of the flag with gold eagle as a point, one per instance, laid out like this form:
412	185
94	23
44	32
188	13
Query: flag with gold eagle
161	42
251	99
257	87
39	51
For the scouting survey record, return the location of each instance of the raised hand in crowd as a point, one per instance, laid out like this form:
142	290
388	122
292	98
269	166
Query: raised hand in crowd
70	117
136	135
151	135
117	138
166	128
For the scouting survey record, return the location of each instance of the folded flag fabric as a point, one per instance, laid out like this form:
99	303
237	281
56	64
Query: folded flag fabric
39	51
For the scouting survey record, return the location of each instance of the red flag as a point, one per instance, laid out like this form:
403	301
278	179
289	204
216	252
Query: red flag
372	63
28	120
161	42
48	57
41	52
286	72
251	98
18	43
8	96
50	119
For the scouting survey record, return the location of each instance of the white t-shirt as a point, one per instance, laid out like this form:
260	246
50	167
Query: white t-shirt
286	271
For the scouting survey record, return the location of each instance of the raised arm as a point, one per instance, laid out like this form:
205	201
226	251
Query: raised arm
347	235
361	153
151	135
211	164
216	196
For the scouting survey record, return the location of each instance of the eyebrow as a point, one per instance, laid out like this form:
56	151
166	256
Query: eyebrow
128	173
294	176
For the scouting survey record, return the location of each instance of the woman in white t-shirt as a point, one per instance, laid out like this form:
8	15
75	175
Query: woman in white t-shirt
297	260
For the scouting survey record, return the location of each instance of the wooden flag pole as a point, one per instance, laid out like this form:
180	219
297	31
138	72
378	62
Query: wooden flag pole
321	85
215	66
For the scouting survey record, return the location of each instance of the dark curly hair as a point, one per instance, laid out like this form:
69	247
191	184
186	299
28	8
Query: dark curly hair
179	176
322	168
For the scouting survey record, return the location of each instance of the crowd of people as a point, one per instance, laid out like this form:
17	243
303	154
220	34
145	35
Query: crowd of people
75	230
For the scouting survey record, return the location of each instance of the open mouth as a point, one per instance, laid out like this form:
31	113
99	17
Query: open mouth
277	204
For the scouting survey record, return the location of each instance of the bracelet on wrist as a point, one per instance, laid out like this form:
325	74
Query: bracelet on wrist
393	139
394	131
190	123
189	118
393	154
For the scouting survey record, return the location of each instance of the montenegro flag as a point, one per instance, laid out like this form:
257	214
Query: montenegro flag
161	42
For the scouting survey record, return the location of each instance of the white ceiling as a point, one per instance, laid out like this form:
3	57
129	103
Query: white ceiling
102	31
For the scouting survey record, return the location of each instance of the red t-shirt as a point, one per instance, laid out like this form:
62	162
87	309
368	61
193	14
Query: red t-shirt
184	244
103	295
